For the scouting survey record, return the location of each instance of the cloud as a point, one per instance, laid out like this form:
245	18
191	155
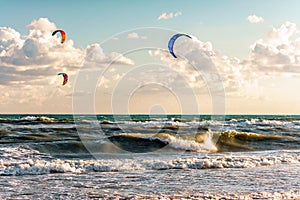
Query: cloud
42	24
253	19
79	93
41	54
29	65
8	37
202	65
38	48
168	16
95	55
279	51
134	35
276	54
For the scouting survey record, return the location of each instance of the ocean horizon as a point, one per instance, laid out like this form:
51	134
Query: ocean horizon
150	100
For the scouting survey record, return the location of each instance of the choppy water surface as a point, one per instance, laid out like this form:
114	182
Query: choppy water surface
62	156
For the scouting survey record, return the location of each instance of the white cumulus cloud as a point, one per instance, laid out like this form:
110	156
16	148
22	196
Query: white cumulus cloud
276	54
279	51
168	15
39	54
203	65
253	19
134	35
29	65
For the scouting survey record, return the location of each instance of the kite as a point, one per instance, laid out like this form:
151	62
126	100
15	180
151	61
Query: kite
65	78
172	41
63	35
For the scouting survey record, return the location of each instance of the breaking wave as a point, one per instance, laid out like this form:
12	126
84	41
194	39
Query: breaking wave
25	161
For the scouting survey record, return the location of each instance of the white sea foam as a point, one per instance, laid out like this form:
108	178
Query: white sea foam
36	118
192	145
205	195
23	161
268	122
28	118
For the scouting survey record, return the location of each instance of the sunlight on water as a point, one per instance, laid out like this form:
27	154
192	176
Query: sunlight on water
242	157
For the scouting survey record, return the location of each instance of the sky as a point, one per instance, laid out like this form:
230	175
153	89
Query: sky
243	58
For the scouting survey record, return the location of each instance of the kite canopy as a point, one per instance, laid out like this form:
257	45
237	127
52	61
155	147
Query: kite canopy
63	35
65	77
172	41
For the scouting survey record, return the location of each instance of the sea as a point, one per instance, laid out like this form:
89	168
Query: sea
149	156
